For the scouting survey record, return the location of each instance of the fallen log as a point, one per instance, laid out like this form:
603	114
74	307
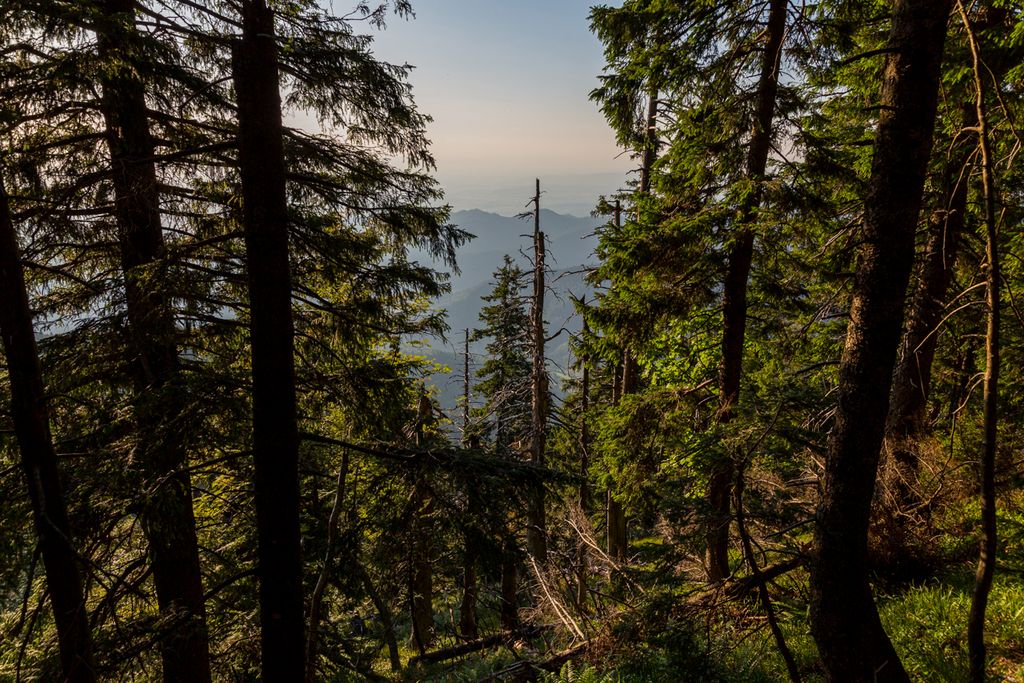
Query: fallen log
528	670
742	587
472	646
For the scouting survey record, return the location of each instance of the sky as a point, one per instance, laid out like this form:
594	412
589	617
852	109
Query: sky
507	83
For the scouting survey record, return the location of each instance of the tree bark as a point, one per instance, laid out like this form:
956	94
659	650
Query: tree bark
989	531
734	289
159	399
275	429
616	530
585	502
470	586
536	525
470	590
844	619
618	526
39	460
421	569
387	619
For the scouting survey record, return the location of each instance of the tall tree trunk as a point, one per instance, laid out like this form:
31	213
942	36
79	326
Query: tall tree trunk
615	515
421	546
467	608
275	428
470	590
421	569
630	369
987	556
585	502
536	525
159	400
844	619
39	460
387	619
734	290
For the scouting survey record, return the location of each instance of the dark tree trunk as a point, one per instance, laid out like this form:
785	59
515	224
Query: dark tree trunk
585	502
989	530
387	619
39	460
159	401
734	290
536	524
617	529
470	588
421	569
275	429
615	516
470	584
421	545
844	619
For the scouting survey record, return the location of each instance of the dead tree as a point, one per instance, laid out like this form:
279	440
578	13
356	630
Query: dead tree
536	529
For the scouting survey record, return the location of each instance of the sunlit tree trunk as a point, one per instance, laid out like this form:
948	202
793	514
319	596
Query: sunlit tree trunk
990	431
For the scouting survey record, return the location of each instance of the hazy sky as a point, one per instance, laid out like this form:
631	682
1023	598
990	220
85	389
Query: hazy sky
507	84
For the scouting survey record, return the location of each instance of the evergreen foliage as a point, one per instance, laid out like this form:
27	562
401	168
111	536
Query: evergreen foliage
730	489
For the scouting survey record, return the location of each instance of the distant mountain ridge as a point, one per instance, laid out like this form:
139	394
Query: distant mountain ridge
571	242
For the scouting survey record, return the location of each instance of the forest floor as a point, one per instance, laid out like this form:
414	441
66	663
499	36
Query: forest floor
666	636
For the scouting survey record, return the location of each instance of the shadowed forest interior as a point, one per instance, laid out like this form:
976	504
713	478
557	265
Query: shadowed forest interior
272	410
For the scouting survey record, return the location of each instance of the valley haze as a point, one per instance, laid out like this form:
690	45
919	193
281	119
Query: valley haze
571	242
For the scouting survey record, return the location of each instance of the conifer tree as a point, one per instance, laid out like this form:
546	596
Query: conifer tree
159	393
709	66
503	380
39	461
844	620
275	426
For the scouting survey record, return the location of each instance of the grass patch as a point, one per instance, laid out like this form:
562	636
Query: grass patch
928	627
